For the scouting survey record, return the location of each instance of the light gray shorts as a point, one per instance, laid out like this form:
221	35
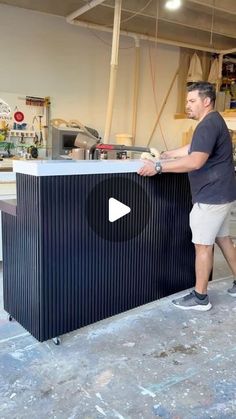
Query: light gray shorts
209	221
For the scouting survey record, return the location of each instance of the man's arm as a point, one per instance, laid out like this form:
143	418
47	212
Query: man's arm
176	153
193	161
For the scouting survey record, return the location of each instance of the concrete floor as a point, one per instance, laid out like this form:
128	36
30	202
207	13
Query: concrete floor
155	361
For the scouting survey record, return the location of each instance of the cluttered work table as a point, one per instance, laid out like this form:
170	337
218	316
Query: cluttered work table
6	165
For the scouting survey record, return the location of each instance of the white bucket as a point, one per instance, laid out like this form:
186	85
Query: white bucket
124	139
77	153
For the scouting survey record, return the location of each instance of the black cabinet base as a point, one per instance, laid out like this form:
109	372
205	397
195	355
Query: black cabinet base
59	275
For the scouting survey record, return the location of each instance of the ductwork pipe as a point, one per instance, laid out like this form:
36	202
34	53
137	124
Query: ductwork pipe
136	88
83	10
145	37
113	71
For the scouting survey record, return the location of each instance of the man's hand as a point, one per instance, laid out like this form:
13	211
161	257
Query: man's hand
148	168
153	155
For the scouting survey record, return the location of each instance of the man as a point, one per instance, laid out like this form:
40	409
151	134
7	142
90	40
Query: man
209	162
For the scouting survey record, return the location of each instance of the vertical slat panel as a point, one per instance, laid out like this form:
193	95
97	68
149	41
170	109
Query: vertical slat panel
21	257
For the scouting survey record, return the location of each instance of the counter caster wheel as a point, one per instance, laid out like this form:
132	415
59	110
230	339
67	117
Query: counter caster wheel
56	341
10	318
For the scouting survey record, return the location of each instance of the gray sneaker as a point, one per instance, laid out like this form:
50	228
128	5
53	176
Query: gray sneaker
232	290
192	302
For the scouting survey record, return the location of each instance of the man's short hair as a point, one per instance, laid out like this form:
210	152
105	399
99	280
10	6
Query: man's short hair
204	88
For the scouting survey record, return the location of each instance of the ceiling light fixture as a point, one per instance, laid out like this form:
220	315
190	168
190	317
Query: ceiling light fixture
173	4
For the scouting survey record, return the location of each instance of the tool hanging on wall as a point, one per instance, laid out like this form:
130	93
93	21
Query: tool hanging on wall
40	129
18	115
36	138
22	138
35	101
39	104
5	110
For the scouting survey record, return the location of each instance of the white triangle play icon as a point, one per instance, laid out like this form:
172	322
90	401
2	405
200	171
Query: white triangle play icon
117	210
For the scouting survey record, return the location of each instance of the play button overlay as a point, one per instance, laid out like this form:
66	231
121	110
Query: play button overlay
117	210
117	207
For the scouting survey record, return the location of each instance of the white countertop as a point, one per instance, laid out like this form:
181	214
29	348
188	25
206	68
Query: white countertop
75	167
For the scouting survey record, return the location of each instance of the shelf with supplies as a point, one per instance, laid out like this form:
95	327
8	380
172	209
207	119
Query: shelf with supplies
25	143
24	125
22	144
21	133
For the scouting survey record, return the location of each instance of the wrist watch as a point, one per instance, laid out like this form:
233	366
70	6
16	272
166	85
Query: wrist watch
158	167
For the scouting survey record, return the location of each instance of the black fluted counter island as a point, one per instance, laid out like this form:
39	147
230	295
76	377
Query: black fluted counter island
86	240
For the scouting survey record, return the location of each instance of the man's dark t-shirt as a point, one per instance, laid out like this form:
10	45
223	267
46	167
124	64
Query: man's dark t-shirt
214	182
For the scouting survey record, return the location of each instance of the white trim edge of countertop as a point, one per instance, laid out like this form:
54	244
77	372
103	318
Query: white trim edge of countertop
75	167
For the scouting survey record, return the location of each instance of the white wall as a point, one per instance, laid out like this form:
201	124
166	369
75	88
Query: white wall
43	55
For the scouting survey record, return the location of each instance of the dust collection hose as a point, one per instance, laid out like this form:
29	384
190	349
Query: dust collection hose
108	147
114	147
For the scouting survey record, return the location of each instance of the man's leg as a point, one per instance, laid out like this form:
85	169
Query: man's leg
203	266
229	251
200	220
226	245
198	299
206	222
